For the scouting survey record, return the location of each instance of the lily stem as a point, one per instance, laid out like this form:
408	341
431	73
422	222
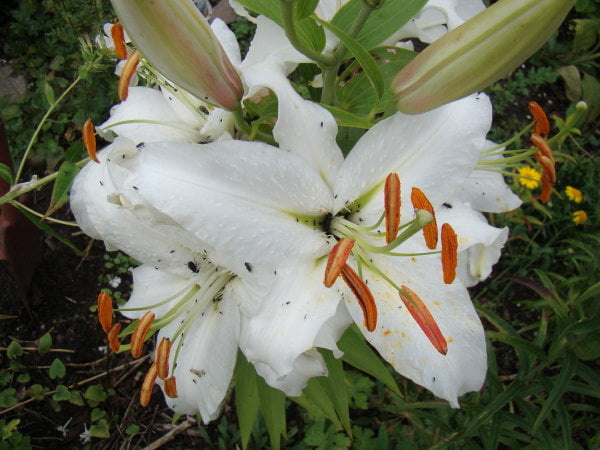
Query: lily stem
40	125
242	125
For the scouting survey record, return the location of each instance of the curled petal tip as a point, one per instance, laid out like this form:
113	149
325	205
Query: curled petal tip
392	206
337	259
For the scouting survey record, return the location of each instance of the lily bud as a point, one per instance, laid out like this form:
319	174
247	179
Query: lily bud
479	52
178	41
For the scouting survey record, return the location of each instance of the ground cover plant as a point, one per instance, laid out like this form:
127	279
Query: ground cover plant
59	386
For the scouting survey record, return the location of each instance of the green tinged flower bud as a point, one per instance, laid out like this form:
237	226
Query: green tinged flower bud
477	53
178	41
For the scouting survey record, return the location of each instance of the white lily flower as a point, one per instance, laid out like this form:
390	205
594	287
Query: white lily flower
195	303
284	210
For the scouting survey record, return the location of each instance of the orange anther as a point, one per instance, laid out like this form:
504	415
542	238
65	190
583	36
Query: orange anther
89	140
542	145
424	319
162	357
118	37
113	337
541	126
170	387
128	70
363	295
139	334
391	199
420	201
336	260
547	186
449	253
148	385
105	311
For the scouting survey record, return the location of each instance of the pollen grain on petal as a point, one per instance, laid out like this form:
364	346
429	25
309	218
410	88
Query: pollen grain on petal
170	387
419	311
89	140
364	296
449	253
392	206
541	125
336	260
430	232
118	37
105	311
148	385
139	334
162	357
113	337
128	70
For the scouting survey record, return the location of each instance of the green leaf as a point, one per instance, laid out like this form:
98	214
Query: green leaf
62	185
132	429
335	386
100	429
75	151
14	350
304	8
45	343
591	95
382	22
48	92
307	29
359	354
97	414
361	55
558	389
246	397
62	393
95	393
7	398
272	405
7	430
57	369
23	378
47	229
6	174
315	398
76	398
347	119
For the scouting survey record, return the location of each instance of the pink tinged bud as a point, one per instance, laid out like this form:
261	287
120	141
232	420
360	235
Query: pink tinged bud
179	43
476	54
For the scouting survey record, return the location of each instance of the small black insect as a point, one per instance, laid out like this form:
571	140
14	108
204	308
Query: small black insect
248	266
447	205
193	267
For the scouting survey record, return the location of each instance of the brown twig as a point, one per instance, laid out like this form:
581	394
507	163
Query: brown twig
35	349
170	435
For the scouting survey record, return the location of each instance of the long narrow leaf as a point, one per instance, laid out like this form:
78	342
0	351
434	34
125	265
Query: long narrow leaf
272	405
246	397
337	391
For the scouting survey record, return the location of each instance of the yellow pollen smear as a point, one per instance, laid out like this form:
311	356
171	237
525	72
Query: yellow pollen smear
113	337
162	357
449	253
171	387
139	334
105	311
392	206
420	201
148	385
336	260
118	37
126	75
89	140
363	295
387	332
419	311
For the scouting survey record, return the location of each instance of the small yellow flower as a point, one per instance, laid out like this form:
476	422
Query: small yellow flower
580	217
529	177
574	194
